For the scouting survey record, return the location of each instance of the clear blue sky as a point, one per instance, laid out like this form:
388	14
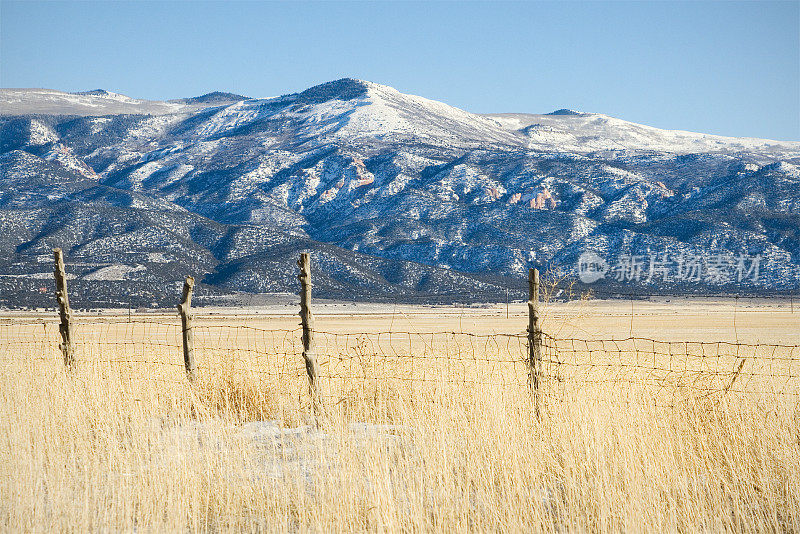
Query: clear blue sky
730	68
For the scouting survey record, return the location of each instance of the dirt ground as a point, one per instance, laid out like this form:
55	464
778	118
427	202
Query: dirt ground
669	319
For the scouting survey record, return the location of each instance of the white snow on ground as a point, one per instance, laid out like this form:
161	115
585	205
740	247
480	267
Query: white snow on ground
592	132
152	128
90	104
385	110
788	168
142	173
63	155
117	271
232	117
157	257
42	134
173	174
47	101
98	124
382	112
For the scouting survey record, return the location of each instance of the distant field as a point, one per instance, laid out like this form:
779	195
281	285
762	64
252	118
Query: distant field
685	318
655	416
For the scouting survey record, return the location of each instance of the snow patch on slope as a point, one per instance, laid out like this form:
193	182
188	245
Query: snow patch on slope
92	103
116	271
593	132
41	134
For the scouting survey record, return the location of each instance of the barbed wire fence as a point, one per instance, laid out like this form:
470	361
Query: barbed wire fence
354	367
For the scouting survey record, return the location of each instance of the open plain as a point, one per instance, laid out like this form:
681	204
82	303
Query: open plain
652	416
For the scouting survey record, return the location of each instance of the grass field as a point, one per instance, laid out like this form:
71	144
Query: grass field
429	424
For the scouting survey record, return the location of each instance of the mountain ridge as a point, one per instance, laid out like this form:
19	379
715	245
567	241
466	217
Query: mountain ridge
380	176
343	89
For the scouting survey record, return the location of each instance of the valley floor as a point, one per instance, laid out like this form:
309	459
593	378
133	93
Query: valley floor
652	416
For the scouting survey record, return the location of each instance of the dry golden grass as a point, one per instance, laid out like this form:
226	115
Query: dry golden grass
123	443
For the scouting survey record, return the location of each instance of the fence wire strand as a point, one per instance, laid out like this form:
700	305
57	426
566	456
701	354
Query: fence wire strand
354	364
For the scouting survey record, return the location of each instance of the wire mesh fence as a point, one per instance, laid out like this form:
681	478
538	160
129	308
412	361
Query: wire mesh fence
356	364
669	371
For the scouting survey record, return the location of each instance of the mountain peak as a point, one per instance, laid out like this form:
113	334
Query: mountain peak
343	89
107	95
214	97
94	92
566	111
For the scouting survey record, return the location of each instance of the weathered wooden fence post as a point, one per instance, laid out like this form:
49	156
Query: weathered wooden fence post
186	322
307	318
534	334
65	328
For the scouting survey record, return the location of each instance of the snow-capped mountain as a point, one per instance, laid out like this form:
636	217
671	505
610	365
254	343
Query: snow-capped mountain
585	133
99	103
399	196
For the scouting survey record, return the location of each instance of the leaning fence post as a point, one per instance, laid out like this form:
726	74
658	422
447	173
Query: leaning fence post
534	334
307	318
64	310
186	322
